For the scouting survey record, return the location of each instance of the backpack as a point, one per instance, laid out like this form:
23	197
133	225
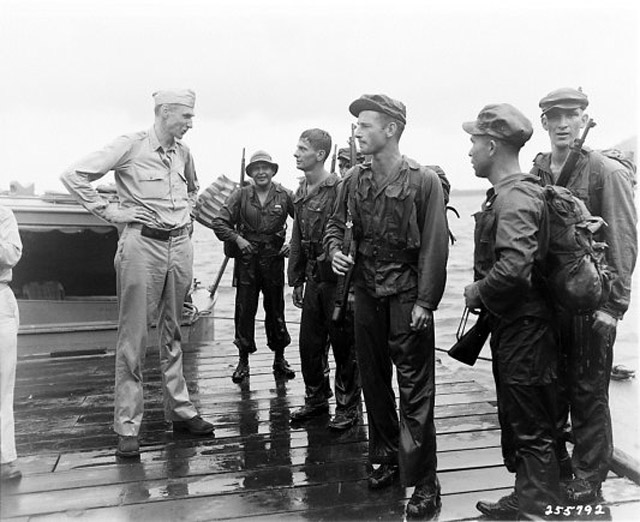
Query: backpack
624	159
574	268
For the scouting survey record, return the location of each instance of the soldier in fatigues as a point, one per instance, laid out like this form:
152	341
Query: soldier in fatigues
399	223
255	218
314	289
586	341
511	238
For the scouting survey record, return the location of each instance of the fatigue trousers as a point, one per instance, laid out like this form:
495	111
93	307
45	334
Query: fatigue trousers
316	329
255	274
383	337
9	320
527	409
585	374
153	278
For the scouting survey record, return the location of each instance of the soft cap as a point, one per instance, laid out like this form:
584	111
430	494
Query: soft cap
379	103
564	98
180	96
502	121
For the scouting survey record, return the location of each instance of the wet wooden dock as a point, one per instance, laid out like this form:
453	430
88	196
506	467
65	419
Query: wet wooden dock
256	467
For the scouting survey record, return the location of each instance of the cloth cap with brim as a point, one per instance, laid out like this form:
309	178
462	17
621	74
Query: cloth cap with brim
344	154
179	96
502	121
379	103
564	98
260	156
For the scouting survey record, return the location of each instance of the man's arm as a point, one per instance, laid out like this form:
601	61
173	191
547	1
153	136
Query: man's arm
77	180
518	220
297	259
621	235
335	229
10	243
434	244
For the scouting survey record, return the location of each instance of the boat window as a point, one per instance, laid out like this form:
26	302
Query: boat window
65	262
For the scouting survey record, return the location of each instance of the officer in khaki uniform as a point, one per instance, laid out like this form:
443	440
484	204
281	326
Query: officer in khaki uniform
156	184
398	215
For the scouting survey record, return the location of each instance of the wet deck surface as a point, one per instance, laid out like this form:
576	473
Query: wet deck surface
256	467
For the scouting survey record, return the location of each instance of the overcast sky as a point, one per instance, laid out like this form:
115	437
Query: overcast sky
78	73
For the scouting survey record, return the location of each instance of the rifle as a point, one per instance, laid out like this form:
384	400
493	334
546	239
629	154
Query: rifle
344	282
574	154
333	159
469	344
353	152
225	262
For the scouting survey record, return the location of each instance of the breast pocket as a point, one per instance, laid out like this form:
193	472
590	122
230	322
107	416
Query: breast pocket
401	217
154	185
484	240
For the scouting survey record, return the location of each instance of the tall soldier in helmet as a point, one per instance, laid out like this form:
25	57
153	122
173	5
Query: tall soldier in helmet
586	341
255	218
399	223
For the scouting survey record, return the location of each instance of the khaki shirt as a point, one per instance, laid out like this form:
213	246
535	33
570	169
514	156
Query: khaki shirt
146	175
10	244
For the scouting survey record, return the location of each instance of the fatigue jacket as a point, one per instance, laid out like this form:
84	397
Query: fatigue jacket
511	237
606	187
263	226
312	210
401	231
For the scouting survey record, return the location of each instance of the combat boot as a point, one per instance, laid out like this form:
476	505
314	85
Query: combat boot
242	370
504	509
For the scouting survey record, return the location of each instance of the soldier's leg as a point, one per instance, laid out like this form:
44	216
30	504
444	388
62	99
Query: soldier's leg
246	306
347	376
591	359
177	404
372	333
272	284
528	391
313	341
413	353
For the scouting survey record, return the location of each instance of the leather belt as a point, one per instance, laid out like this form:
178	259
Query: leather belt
161	234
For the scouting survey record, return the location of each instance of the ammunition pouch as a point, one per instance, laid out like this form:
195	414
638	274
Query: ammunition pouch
383	253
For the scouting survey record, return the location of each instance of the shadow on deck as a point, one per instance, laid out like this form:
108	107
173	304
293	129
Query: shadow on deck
256	467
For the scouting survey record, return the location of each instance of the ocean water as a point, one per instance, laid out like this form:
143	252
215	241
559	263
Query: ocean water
209	256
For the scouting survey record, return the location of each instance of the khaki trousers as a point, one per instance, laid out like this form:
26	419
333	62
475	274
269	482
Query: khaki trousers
153	278
9	320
